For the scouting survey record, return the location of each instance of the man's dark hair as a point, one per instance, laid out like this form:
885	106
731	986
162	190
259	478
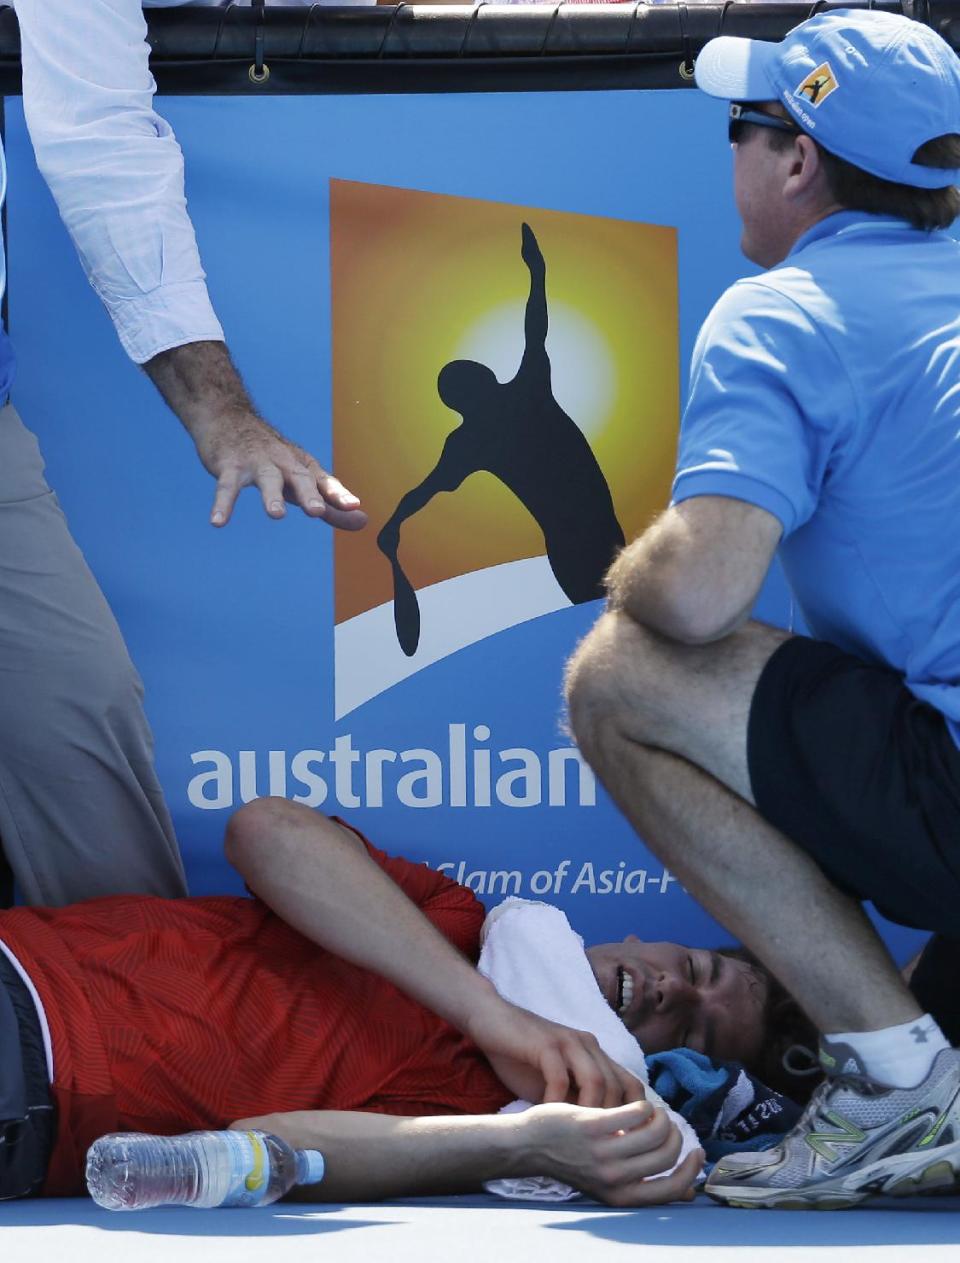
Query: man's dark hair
857	189
787	1059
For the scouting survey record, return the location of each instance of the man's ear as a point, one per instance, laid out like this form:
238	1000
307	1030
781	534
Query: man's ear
805	175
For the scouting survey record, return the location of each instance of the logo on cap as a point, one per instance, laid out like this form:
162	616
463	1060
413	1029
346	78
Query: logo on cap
818	85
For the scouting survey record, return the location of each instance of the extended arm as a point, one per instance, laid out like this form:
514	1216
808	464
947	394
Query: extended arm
535	322
456	462
608	1154
318	877
535	318
693	576
116	172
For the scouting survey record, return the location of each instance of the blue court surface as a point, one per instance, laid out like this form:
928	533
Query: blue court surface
480	1230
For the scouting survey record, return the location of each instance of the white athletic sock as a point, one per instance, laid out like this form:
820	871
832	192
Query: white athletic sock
899	1056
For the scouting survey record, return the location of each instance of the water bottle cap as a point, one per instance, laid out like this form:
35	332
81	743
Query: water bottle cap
313	1166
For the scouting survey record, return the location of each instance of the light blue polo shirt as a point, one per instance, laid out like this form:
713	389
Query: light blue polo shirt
827	391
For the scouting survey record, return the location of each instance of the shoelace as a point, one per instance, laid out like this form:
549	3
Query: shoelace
860	1085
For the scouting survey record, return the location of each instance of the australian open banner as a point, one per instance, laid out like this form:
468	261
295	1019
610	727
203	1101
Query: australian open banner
478	310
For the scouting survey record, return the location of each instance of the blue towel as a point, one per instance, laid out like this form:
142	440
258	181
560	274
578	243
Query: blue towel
729	1109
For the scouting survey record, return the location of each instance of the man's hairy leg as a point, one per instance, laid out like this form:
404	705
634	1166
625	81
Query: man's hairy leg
664	725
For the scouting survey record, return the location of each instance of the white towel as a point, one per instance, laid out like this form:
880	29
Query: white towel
535	959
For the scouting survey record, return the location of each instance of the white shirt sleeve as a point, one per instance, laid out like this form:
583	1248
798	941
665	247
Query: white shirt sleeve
114	168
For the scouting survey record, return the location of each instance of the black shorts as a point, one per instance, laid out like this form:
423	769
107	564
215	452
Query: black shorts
849	765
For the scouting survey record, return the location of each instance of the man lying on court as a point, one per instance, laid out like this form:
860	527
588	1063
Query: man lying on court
337	1003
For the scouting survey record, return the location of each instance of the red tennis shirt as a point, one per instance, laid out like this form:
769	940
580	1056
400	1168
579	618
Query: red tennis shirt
171	1015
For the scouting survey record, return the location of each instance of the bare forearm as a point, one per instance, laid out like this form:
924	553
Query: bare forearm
644	583
318	878
694	574
369	1157
639	584
610	1154
199	382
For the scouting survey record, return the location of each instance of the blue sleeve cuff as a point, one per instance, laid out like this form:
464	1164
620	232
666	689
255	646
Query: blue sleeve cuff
734	486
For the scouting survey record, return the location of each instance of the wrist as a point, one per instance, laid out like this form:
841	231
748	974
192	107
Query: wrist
201	384
540	1132
476	1007
515	1139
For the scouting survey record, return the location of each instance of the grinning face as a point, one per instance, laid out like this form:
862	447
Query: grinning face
670	996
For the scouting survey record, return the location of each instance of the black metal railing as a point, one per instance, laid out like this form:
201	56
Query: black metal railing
411	48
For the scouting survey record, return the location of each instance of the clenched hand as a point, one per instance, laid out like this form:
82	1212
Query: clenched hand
543	1061
610	1154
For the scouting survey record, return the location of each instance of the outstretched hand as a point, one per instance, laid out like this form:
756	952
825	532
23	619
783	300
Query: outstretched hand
242	451
201	384
540	1060
611	1154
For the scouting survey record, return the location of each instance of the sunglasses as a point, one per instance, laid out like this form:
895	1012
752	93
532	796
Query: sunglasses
741	115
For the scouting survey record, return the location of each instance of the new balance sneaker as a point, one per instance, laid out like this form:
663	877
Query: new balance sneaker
854	1139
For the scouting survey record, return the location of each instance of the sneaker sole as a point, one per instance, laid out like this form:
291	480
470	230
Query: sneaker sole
885	1178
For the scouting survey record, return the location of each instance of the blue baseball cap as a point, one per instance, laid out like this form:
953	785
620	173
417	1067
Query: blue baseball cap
870	87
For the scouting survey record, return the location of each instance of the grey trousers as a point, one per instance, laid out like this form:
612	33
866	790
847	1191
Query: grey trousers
81	810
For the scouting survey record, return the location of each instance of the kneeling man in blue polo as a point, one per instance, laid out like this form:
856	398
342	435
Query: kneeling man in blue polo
787	779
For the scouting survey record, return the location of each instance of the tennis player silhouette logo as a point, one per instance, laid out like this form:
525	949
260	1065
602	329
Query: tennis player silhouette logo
518	432
818	85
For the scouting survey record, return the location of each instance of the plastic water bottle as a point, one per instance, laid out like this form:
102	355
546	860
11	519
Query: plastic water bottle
131	1171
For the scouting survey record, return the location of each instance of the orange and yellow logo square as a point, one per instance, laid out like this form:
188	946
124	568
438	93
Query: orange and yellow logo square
818	85
424	282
